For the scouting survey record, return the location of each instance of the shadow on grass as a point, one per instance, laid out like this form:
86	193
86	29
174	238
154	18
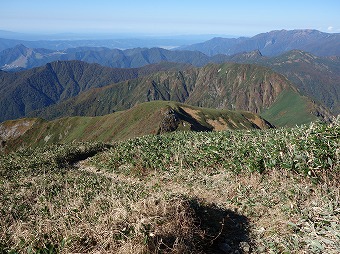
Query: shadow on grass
76	156
225	230
212	230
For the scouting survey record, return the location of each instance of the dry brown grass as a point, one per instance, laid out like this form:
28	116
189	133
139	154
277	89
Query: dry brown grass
219	124
118	218
278	212
275	204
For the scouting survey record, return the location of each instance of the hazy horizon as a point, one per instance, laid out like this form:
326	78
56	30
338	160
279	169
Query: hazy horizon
171	18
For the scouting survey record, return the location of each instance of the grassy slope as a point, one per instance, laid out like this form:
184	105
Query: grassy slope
289	109
273	191
316	77
143	119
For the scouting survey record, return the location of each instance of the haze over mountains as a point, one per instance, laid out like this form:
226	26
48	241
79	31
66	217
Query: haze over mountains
26	54
120	41
22	57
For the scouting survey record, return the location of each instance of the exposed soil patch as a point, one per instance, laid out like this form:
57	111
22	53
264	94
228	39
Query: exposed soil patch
14	129
219	125
192	112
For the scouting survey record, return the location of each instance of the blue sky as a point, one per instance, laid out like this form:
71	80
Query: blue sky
174	17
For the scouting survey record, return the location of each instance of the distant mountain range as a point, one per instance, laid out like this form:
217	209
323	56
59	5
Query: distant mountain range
270	44
273	43
21	57
317	77
109	42
23	92
78	88
269	74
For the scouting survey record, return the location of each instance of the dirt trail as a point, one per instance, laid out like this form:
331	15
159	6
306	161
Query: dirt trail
163	183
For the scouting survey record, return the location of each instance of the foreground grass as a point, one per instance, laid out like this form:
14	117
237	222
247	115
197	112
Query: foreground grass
274	191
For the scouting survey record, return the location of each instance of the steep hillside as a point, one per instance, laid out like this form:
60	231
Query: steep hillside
146	118
316	77
225	86
21	57
274	43
25	91
11	130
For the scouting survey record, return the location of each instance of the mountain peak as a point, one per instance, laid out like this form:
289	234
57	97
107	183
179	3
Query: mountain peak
254	53
21	47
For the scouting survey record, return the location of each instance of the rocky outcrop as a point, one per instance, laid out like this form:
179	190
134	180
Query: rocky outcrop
11	130
169	122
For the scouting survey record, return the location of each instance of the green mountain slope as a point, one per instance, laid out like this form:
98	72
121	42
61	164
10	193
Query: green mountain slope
225	86
146	118
290	107
25	91
316	77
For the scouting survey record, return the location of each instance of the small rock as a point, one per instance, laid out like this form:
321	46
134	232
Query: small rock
245	247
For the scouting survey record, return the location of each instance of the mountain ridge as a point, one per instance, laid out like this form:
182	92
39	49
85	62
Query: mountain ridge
147	118
42	86
315	76
57	82
227	86
21	57
274	43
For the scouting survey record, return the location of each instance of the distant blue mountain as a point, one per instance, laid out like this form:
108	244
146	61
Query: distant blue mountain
273	43
21	57
123	41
